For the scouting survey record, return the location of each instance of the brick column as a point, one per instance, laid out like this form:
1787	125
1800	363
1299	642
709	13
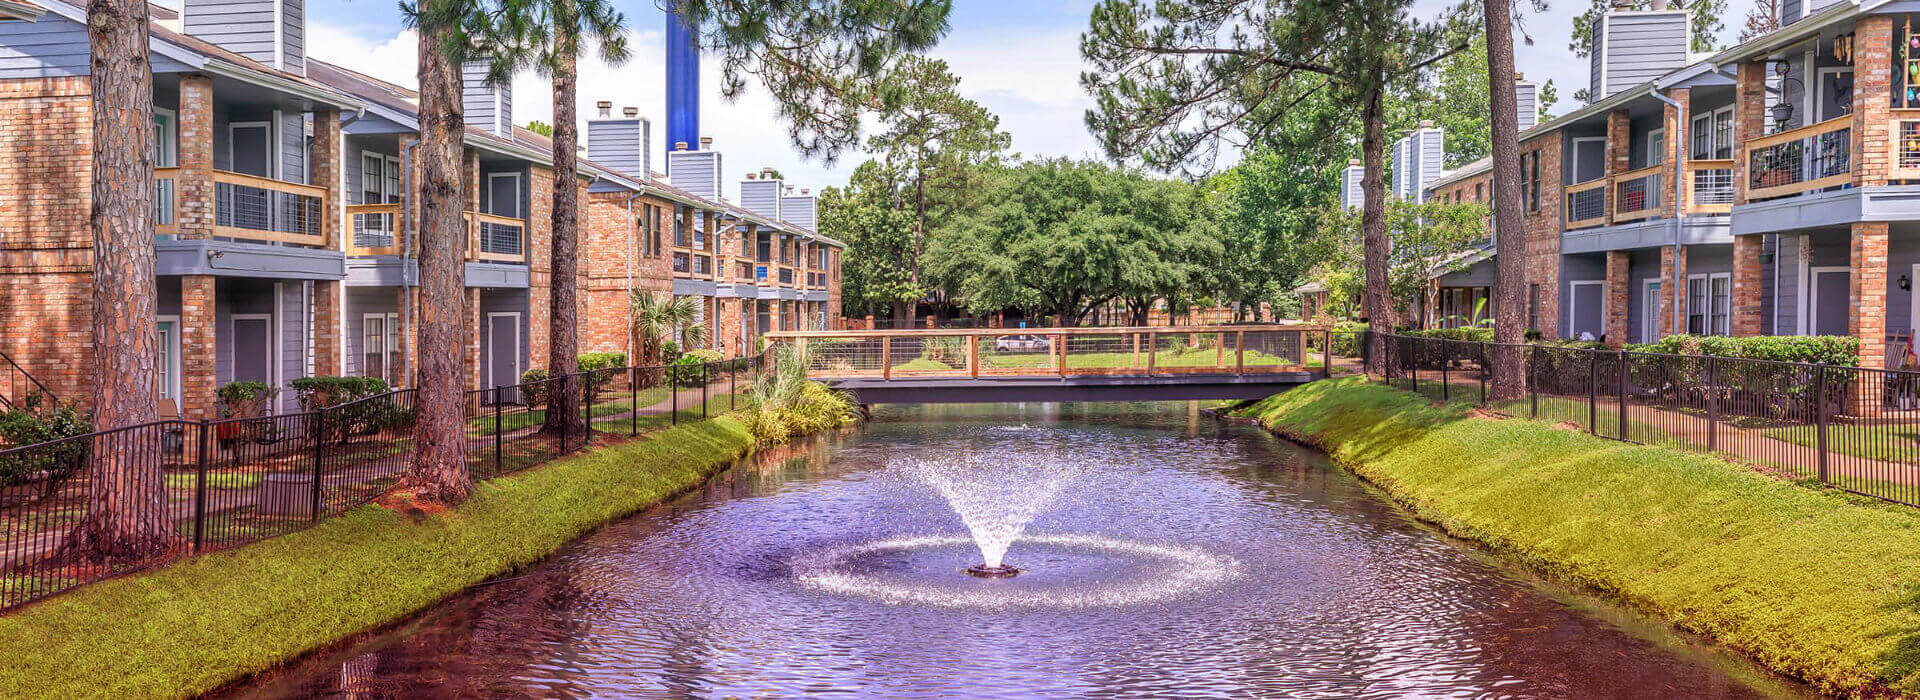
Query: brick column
326	174
1619	299
326	328
1872	105
194	187
1746	299
1673	288
1543	230
1674	120
407	305
197	336
1867	293
1749	121
1619	142
470	351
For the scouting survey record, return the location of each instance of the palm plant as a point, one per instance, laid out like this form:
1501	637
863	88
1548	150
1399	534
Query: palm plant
659	318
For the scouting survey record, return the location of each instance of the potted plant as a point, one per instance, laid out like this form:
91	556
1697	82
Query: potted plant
239	402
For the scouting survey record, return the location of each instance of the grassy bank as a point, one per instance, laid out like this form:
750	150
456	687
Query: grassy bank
1811	583
200	623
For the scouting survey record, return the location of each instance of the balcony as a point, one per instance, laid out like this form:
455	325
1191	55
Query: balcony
1904	162
1801	160
1710	186
1638	194
1587	204
377	229
495	238
247	208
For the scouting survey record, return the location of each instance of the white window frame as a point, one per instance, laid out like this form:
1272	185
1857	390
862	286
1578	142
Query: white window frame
1711	117
491	179
166	151
273	344
1573	157
170	389
491	380
1819	98
1650	308
1808	323
273	146
1573	305
1707	324
379	174
389	338
1657	147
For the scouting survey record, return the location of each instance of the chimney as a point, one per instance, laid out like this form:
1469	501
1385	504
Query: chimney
761	194
605	107
273	32
1631	47
1351	196
630	112
624	144
800	209
489	107
696	171
1526	100
1795	10
1417	161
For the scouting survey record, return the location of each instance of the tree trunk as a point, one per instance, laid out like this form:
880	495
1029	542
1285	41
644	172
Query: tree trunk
1373	228
564	300
919	236
439	473
902	314
1510	244
126	514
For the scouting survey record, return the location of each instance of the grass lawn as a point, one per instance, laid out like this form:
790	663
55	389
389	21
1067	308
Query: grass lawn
214	481
1812	583
197	624
1892	443
514	418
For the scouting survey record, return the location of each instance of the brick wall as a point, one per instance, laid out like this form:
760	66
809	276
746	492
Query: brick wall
197	382
1872	86
1673	275
193	184
1673	120
1619	283
1867	292
1747	283
1542	229
1749	119
539	265
46	261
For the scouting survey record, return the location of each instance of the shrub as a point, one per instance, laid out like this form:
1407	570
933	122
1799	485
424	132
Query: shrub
1821	349
246	399
1346	338
1469	333
948	350
36	421
600	368
533	386
693	368
358	413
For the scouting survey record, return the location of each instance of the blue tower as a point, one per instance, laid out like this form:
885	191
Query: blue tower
683	83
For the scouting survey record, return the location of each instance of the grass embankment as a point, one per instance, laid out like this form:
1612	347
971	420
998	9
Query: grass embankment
200	623
1811	583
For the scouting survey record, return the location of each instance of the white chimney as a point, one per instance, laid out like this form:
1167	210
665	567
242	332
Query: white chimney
1632	47
489	107
624	144
760	194
696	171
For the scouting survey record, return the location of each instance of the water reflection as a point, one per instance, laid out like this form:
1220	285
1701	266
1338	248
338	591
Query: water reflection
1337	593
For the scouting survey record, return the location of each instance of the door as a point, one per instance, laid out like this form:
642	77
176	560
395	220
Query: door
253	348
1589	159
1588	313
503	195
1829	301
250	148
1650	311
503	353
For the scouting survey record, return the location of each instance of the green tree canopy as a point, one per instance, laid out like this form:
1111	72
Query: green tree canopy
1429	240
878	234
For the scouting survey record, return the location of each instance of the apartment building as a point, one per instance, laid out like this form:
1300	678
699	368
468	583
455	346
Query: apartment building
1770	188
286	222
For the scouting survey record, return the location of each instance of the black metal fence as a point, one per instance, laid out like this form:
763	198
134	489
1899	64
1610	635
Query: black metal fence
230	482
1852	428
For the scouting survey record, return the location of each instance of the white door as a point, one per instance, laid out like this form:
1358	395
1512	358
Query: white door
250	148
1650	310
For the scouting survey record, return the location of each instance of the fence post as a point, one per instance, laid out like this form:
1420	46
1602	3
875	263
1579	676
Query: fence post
1621	380
1533	380
1239	353
1713	404
499	425
633	398
1414	372
1820	416
1446	356
319	447
1483	373
673	400
200	488
733	392
1326	360
886	357
1153	350
1593	392
707	370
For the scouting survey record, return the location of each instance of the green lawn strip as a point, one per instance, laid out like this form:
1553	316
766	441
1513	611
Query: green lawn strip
1891	443
512	418
200	623
1812	583
717	404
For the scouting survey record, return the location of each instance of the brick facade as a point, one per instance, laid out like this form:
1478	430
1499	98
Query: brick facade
539	266
1541	224
197	381
1747	297
46	301
1749	119
1673	120
1673	276
1619	283
1872	83
193	184
1867	293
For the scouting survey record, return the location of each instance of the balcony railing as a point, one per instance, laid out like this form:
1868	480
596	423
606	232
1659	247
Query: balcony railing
163	201
1587	204
497	238
1802	160
1709	186
257	208
1638	194
1904	161
376	229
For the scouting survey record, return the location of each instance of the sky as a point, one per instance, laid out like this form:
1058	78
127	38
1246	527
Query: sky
1019	58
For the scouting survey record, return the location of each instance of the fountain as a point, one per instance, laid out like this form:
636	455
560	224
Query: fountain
995	498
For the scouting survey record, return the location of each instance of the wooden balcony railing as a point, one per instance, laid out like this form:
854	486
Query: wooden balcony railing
247	207
1639	194
496	238
378	229
1587	204
1709	186
1903	162
1801	160
1057	352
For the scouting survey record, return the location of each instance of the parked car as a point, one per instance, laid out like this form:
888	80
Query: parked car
1021	343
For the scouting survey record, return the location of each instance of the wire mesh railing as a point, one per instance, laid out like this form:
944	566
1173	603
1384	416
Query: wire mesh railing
1019	352
200	486
1852	428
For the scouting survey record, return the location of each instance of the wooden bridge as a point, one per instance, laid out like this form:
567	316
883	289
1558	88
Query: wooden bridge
1172	363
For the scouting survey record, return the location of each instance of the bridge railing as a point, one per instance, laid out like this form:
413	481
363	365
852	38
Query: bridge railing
1034	352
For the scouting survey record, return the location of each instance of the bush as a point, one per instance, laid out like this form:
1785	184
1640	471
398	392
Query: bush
246	399
533	386
1820	349
948	350
35	421
693	368
600	368
359	416
1469	333
1346	338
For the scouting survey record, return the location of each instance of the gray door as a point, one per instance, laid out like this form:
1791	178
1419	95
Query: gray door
1590	160
503	367
252	350
503	195
252	150
1831	293
1589	313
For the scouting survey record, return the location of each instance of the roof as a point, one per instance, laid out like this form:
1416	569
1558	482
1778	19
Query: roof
20	9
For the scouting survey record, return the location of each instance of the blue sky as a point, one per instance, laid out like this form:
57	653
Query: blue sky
1020	58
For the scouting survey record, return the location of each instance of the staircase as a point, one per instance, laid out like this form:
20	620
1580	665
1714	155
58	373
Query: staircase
16	385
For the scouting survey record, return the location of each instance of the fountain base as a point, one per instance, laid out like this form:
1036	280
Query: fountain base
984	571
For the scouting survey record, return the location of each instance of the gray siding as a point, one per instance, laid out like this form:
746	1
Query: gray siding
1577	268
761	196
801	210
695	171
293	35
621	144
1643	265
293	147
250	28
1786	296
1790	11
1526	98
290	321
1635	47
488	107
360	302
51	47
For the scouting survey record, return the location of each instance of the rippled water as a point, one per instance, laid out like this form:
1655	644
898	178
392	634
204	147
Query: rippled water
1325	590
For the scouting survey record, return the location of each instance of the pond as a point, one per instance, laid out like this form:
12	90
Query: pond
1176	555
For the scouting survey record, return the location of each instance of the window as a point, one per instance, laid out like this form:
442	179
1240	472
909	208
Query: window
167	380
1656	147
1711	135
166	147
1479	191
1530	181
503	195
1709	303
380	347
379	178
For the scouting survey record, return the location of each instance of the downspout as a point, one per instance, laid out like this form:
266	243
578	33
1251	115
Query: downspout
1679	189
633	261
406	252
340	292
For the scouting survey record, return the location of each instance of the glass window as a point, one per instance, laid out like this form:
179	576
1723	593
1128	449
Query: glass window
168	379
1721	287
372	179
166	149
393	180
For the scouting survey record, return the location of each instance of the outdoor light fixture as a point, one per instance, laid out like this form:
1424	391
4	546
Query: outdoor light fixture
1905	284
